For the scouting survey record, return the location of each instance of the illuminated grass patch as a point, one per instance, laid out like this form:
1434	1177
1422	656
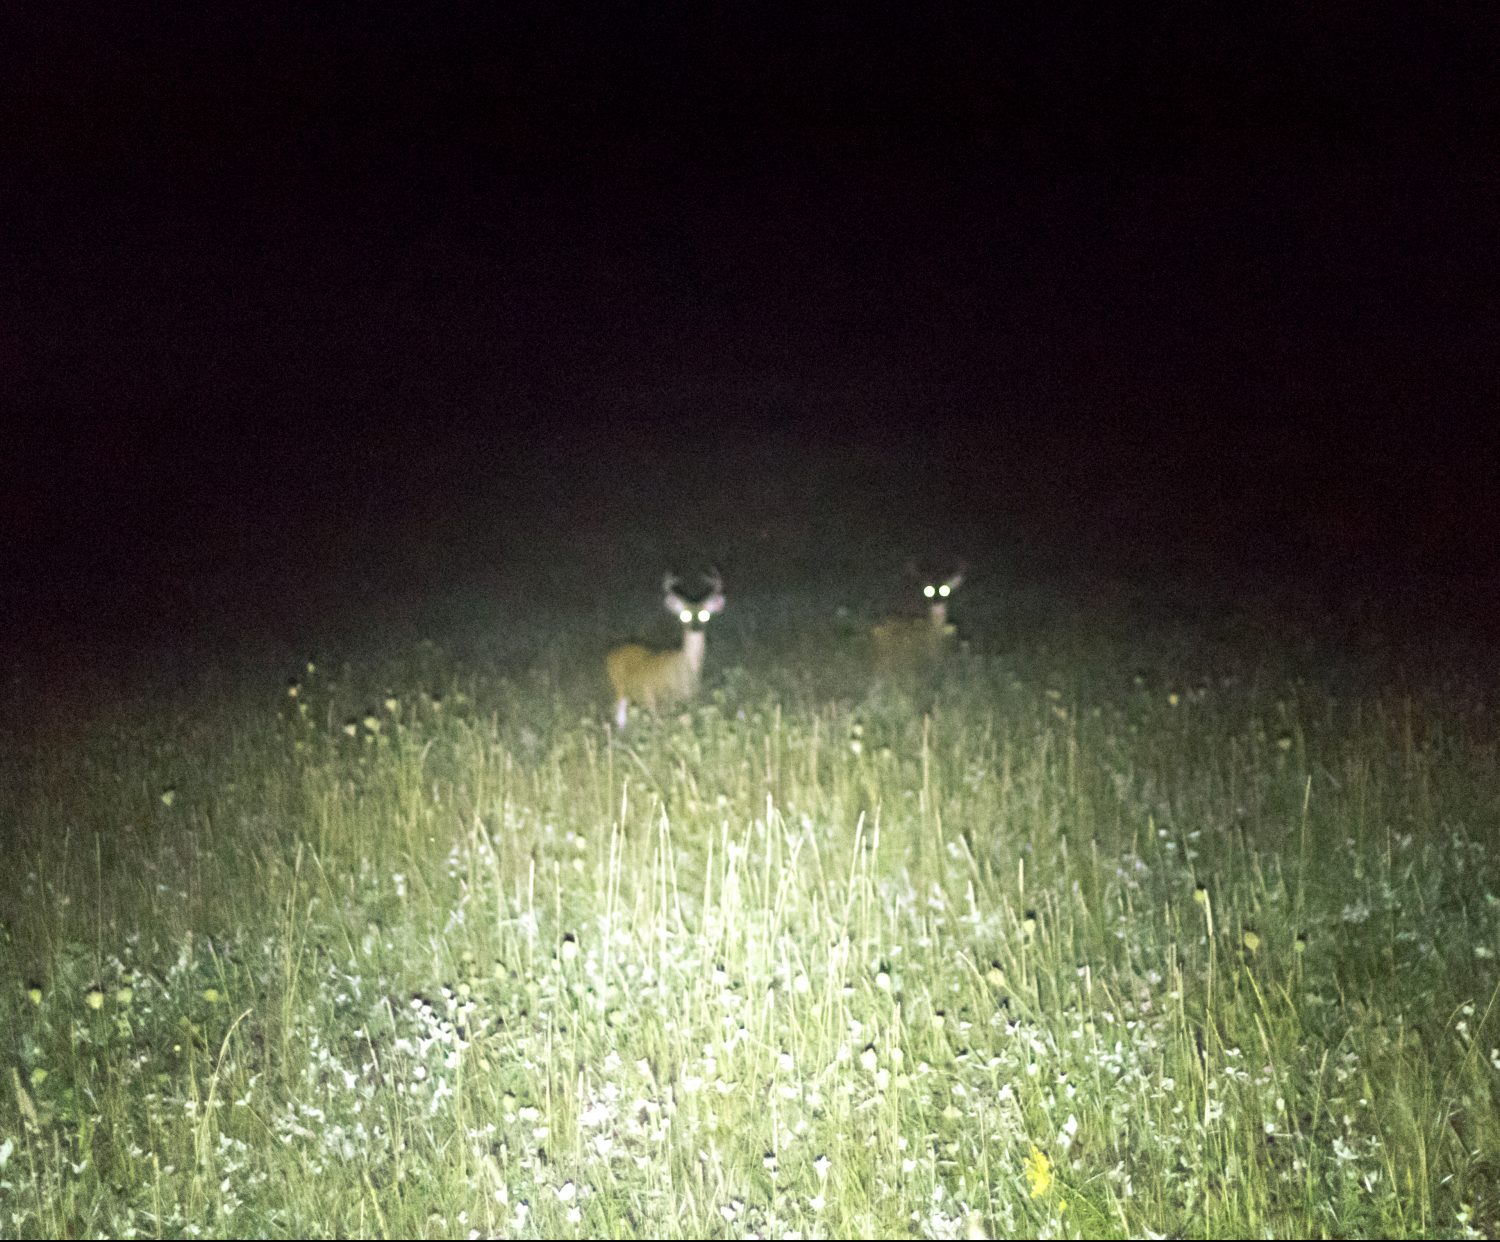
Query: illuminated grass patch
1088	939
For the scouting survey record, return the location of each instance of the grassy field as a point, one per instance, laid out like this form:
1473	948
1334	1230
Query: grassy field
1115	924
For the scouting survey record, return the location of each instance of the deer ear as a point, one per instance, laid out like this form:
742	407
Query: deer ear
954	582
714	600
674	602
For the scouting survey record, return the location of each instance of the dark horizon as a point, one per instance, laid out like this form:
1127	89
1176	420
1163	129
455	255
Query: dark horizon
286	285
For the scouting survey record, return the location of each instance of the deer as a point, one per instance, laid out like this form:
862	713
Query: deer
908	642
653	678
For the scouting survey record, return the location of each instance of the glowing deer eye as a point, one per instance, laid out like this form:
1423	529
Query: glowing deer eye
703	615
945	589
929	591
686	615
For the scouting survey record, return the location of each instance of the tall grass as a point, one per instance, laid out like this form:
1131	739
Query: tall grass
1103	928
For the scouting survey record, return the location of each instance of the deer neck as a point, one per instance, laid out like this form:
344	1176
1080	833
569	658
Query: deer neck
938	611
693	642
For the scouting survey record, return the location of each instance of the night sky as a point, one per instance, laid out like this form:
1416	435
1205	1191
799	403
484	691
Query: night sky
290	288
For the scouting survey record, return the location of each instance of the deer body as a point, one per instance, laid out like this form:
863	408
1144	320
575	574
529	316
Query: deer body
651	678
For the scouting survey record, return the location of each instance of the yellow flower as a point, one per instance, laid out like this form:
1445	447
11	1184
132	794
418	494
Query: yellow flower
1038	1172
1252	940
94	997
211	995
34	993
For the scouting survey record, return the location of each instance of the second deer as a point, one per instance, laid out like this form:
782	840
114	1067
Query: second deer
909	642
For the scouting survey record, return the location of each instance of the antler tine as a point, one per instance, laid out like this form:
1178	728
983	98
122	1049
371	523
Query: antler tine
669	583
714	580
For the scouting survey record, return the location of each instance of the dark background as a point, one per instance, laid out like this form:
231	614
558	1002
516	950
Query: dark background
323	306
